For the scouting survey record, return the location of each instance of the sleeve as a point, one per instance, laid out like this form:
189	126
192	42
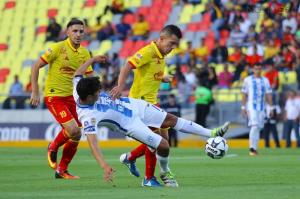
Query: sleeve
139	59
75	82
245	87
268	87
51	53
88	125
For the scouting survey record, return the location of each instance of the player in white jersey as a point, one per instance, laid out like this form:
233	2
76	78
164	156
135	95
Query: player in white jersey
256	89
128	116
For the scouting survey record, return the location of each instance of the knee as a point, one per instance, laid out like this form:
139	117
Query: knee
74	132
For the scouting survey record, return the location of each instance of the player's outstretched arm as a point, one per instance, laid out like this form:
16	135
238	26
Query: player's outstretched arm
117	91
107	170
35	96
97	59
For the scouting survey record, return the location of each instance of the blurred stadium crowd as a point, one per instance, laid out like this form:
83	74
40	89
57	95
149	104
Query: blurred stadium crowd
222	41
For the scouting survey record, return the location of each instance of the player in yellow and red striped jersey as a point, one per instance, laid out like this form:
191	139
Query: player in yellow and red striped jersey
63	58
148	65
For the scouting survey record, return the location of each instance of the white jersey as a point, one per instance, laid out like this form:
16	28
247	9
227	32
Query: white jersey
256	90
126	115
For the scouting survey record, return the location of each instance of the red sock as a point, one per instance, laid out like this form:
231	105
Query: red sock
150	163
68	153
59	140
137	152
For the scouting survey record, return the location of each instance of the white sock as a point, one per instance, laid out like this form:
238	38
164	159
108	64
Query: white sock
190	127
254	137
163	163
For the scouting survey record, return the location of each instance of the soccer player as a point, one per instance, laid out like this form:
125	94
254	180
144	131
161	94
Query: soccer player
63	58
148	65
128	116
256	89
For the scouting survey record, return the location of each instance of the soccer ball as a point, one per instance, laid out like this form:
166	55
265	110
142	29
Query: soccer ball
216	147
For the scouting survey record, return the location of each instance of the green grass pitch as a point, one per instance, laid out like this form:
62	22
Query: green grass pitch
275	173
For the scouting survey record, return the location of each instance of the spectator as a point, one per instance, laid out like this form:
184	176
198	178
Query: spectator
208	74
88	30
225	78
117	7
216	17
140	29
115	61
288	36
271	50
201	53
270	126
190	77
219	54
290	21
288	58
53	30
251	35
15	93
187	55
96	28
106	32
272	75
259	50
237	37
291	117
203	97
174	108
254	58
236	55
123	30
239	66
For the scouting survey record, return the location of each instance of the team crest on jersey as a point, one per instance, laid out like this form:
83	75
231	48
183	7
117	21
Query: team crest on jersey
138	55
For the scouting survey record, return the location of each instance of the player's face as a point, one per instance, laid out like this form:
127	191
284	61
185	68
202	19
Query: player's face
76	33
257	69
168	43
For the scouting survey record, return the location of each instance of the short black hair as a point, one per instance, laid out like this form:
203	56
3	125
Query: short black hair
172	30
75	21
88	86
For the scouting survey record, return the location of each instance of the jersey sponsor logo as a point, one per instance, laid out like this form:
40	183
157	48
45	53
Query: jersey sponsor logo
117	105
67	70
89	129
158	76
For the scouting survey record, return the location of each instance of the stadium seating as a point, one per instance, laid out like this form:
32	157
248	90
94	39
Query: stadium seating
22	40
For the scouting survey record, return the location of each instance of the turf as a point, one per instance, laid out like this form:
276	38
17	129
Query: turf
275	173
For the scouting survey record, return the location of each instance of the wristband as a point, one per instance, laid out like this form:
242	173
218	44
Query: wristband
243	107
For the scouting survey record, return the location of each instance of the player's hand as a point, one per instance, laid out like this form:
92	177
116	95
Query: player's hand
116	92
167	78
244	113
35	98
100	59
108	173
